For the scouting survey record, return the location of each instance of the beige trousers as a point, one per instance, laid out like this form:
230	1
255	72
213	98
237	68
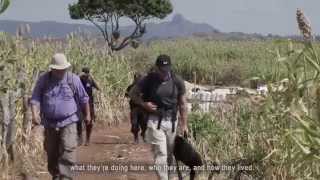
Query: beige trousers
162	141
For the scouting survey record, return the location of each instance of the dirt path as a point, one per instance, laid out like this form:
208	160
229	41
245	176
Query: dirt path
112	145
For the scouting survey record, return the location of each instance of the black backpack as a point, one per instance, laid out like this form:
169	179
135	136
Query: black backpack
153	83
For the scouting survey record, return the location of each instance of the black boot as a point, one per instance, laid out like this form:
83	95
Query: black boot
56	177
136	138
79	133
88	134
143	136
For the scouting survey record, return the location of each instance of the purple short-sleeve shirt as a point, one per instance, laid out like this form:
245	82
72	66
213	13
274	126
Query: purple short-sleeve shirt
59	102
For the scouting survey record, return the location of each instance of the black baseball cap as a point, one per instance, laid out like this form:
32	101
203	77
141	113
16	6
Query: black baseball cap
164	62
86	70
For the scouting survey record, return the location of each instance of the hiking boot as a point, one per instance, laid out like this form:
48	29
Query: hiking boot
143	138
136	139
87	142
80	140
56	177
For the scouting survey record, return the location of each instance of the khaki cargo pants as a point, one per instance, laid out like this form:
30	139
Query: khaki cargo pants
60	145
162	141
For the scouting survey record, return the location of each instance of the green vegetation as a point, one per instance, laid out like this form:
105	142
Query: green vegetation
21	63
218	62
4	4
279	135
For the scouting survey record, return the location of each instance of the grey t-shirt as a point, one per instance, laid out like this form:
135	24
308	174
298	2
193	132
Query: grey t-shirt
163	92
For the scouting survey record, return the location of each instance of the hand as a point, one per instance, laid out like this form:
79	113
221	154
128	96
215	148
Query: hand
87	120
149	106
185	131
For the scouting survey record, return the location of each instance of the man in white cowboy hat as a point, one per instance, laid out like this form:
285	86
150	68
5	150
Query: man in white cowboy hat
56	101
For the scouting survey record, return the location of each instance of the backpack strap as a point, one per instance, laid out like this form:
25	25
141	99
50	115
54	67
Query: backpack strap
70	83
175	108
47	76
72	87
47	79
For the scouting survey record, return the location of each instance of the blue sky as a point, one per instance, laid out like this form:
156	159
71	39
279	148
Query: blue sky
250	16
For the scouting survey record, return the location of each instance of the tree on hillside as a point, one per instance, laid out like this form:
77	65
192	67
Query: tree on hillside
106	16
4	4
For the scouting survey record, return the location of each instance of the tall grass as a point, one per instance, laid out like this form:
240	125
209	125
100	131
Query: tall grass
112	73
216	62
276	135
280	135
232	135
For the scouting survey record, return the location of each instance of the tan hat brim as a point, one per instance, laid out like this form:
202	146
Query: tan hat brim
62	67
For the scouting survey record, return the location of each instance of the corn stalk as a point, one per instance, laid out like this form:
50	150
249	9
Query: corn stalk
296	109
12	77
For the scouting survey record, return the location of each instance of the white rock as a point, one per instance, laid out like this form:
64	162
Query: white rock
263	90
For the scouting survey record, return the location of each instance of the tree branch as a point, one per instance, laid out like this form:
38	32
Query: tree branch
117	21
134	35
98	26
106	21
112	24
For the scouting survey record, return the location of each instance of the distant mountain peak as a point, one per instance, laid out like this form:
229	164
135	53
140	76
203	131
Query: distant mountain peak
179	26
178	18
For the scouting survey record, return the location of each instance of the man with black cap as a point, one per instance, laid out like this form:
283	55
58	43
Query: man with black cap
162	94
88	84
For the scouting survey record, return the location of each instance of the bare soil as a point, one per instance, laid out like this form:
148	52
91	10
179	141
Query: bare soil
110	146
